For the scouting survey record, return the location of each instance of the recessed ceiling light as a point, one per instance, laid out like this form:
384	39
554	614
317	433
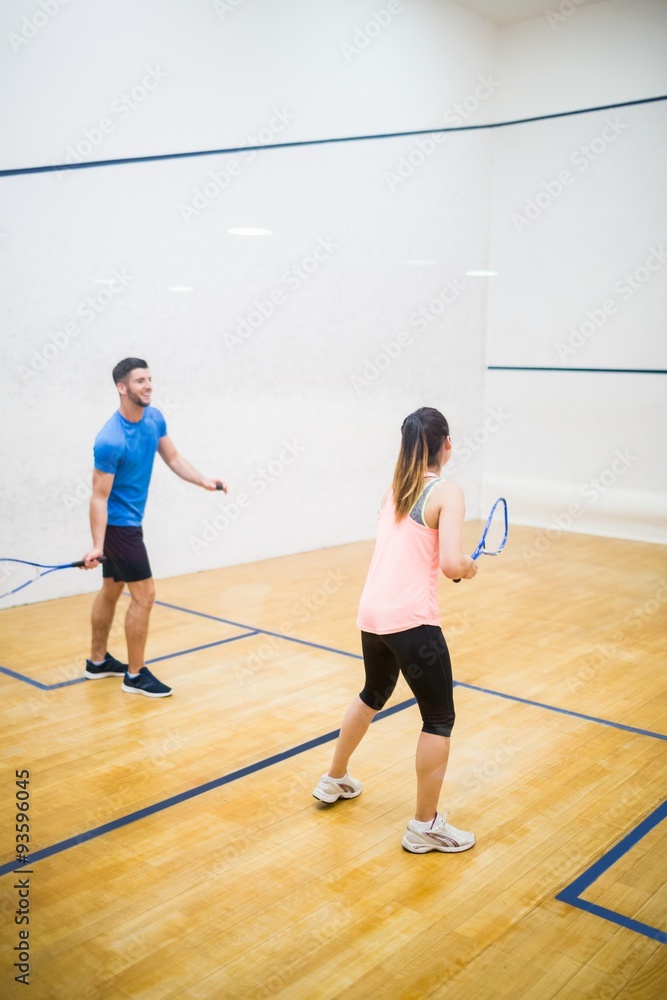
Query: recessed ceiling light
482	274
247	231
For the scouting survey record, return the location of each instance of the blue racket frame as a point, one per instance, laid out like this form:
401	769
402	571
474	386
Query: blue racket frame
47	567
481	549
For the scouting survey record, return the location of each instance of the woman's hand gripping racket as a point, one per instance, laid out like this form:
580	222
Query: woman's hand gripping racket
495	532
34	570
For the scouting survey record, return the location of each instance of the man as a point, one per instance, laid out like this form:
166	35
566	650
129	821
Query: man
124	453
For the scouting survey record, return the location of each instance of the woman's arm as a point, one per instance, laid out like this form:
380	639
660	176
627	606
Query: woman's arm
454	563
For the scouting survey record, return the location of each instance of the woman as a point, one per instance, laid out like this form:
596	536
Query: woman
419	534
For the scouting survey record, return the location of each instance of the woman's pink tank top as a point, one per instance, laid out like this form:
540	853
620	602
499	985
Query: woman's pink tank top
401	589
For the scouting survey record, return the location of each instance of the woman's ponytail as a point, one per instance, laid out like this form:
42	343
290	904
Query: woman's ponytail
423	434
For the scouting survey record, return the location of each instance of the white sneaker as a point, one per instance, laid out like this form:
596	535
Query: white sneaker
331	789
442	836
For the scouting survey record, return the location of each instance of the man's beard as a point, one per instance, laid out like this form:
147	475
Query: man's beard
137	400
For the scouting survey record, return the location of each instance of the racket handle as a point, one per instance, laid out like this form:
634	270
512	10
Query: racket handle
474	559
218	486
80	563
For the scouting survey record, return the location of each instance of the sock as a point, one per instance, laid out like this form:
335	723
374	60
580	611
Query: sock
346	775
424	827
98	663
132	677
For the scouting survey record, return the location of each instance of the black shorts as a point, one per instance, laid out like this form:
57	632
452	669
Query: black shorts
127	559
421	655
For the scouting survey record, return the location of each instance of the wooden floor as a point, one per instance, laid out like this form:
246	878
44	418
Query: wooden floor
249	888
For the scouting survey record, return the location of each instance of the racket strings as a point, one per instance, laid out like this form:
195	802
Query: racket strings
15	574
495	534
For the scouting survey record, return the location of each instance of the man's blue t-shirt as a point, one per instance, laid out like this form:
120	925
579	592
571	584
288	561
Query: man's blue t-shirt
127	450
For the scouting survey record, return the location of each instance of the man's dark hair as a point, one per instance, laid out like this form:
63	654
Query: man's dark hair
124	367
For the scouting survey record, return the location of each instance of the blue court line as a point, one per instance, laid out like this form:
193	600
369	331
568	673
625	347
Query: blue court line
572	893
28	680
261	631
321	142
250	630
191	793
563	711
569	895
157	659
197	649
608	371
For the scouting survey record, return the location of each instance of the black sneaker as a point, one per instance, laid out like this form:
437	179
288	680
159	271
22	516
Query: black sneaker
146	684
110	667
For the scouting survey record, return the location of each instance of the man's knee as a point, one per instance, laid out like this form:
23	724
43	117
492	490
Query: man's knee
143	594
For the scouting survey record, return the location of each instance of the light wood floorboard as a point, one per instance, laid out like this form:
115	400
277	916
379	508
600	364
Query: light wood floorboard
252	889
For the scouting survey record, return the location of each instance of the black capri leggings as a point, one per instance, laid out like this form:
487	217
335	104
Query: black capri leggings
421	655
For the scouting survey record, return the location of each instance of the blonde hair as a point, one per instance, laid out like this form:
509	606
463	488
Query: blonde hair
423	434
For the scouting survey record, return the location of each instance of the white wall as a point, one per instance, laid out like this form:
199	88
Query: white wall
578	241
318	373
301	412
582	57
340	67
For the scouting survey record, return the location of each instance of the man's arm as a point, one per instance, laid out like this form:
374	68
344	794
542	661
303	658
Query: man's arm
180	465
102	483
